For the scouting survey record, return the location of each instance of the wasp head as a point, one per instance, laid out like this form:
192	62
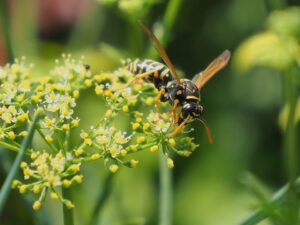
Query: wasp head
193	109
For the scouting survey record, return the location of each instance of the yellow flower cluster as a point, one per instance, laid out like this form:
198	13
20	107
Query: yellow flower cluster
54	98
48	173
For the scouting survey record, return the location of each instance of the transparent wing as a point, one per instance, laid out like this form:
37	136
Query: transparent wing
161	51
216	65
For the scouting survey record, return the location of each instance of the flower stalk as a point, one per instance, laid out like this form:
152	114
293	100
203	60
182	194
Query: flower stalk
68	210
165	189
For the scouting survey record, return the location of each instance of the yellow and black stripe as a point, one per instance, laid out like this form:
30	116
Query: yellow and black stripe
160	76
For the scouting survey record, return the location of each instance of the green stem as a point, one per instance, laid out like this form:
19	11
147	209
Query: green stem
290	147
68	212
170	18
9	146
4	17
104	195
165	190
168	22
51	145
277	200
5	190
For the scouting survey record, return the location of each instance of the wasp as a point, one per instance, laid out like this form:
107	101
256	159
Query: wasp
183	94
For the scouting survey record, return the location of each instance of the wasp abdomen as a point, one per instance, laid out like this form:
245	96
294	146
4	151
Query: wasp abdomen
160	74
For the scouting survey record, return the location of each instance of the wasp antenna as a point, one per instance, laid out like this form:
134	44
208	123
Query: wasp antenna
207	131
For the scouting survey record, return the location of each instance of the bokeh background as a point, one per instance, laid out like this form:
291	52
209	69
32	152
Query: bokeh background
245	104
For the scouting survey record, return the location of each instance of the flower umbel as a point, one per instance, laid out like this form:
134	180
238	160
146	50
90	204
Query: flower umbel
54	98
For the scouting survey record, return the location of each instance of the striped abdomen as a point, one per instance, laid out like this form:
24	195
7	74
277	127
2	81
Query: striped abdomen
160	76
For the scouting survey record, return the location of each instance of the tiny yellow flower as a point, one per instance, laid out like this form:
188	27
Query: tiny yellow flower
138	119
140	139
109	113
47	121
66	127
84	135
75	122
112	151
146	126
125	108
33	155
20	98
78	178
132	102
48	138
15	184
172	142
23	165
23	133
11	135
36	205
22	189
170	163
69	204
87	141
36	189
39	111
135	126
107	93
123	152
113	168
95	156
78	152
133	148
88	82
154	148
22	117
186	153
114	97
26	173
74	168
54	196
35	98
133	163
149	101
66	183
76	94
98	90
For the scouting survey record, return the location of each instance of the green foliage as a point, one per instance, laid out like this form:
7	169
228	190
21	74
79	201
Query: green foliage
277	47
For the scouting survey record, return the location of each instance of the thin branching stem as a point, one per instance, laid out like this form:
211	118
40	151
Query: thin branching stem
165	190
5	190
68	212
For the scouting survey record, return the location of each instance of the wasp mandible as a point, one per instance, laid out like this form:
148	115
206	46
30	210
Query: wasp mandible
183	94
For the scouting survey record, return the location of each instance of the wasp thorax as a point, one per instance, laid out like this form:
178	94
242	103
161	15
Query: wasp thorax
184	91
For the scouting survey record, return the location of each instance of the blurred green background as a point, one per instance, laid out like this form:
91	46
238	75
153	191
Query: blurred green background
219	183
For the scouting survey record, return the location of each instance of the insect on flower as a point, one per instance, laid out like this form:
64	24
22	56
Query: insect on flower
182	94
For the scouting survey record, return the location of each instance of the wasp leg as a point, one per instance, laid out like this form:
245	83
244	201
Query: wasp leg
157	99
136	77
175	132
173	111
